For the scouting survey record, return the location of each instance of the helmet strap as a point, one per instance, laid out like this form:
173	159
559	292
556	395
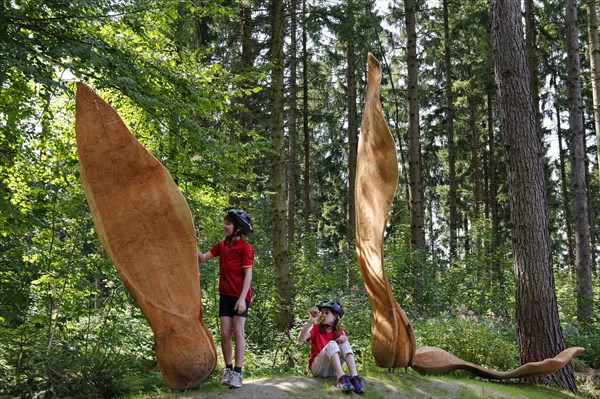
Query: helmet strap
237	233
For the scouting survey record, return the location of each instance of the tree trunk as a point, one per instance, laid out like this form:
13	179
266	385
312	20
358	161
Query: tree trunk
565	193
538	325
594	48
280	247
591	218
532	63
292	126
493	192
246	57
578	181
351	275
246	64
414	149
476	178
306	132
452	193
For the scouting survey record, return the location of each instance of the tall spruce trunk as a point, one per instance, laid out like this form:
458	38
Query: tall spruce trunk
564	192
475	163
307	197
292	126
532	63
414	150
578	171
280	243
351	274
246	63
594	48
492	198
452	192
538	325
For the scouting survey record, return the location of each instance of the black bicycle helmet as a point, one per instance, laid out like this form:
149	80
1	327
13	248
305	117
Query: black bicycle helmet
241	219
332	305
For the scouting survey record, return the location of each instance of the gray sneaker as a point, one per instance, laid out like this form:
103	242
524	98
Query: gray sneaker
236	380
226	379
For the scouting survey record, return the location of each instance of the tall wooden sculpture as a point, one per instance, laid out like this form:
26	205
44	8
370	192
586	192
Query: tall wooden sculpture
392	338
393	341
146	227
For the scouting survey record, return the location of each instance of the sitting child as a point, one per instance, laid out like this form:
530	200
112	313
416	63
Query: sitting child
329	347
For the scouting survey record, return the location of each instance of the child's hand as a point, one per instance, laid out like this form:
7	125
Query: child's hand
341	339
240	306
314	314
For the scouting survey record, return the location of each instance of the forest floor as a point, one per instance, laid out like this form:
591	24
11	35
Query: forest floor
380	386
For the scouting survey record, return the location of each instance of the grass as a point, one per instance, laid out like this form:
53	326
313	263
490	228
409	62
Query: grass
380	384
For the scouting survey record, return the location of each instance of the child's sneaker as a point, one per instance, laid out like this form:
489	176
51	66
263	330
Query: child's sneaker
344	384
226	379
357	382
236	380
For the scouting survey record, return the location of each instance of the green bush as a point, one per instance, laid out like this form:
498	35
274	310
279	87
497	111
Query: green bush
94	357
487	340
588	337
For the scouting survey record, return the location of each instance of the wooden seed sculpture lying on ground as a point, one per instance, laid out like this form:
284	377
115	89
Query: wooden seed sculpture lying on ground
146	227
392	340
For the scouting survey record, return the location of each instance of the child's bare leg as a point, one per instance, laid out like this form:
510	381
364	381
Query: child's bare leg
240	339
337	364
351	364
226	331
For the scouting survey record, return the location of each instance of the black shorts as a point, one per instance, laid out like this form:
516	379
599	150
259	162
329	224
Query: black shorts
227	306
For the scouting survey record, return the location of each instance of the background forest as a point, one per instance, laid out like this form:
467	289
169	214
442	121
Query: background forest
258	104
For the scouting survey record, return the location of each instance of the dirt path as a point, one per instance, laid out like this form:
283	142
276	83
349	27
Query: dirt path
398	386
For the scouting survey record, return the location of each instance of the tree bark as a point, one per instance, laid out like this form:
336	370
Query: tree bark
246	64
565	193
475	168
452	193
280	246
292	126
591	217
538	325
578	172
594	48
493	192
306	132
532	63
414	148
351	275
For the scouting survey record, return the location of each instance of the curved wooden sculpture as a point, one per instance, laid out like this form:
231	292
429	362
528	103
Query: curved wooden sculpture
146	227
436	361
393	340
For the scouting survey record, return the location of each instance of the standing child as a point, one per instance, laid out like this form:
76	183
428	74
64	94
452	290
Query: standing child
235	290
329	347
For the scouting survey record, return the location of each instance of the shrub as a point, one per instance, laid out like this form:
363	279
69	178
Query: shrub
94	357
588	337
485	340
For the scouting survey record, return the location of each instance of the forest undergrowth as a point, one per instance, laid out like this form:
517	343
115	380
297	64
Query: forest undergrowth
112	356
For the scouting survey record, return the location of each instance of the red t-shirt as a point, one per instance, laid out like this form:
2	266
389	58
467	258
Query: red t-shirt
233	259
318	340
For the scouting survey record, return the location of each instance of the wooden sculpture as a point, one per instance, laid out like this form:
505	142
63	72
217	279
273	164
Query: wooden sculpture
146	227
436	361
393	341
